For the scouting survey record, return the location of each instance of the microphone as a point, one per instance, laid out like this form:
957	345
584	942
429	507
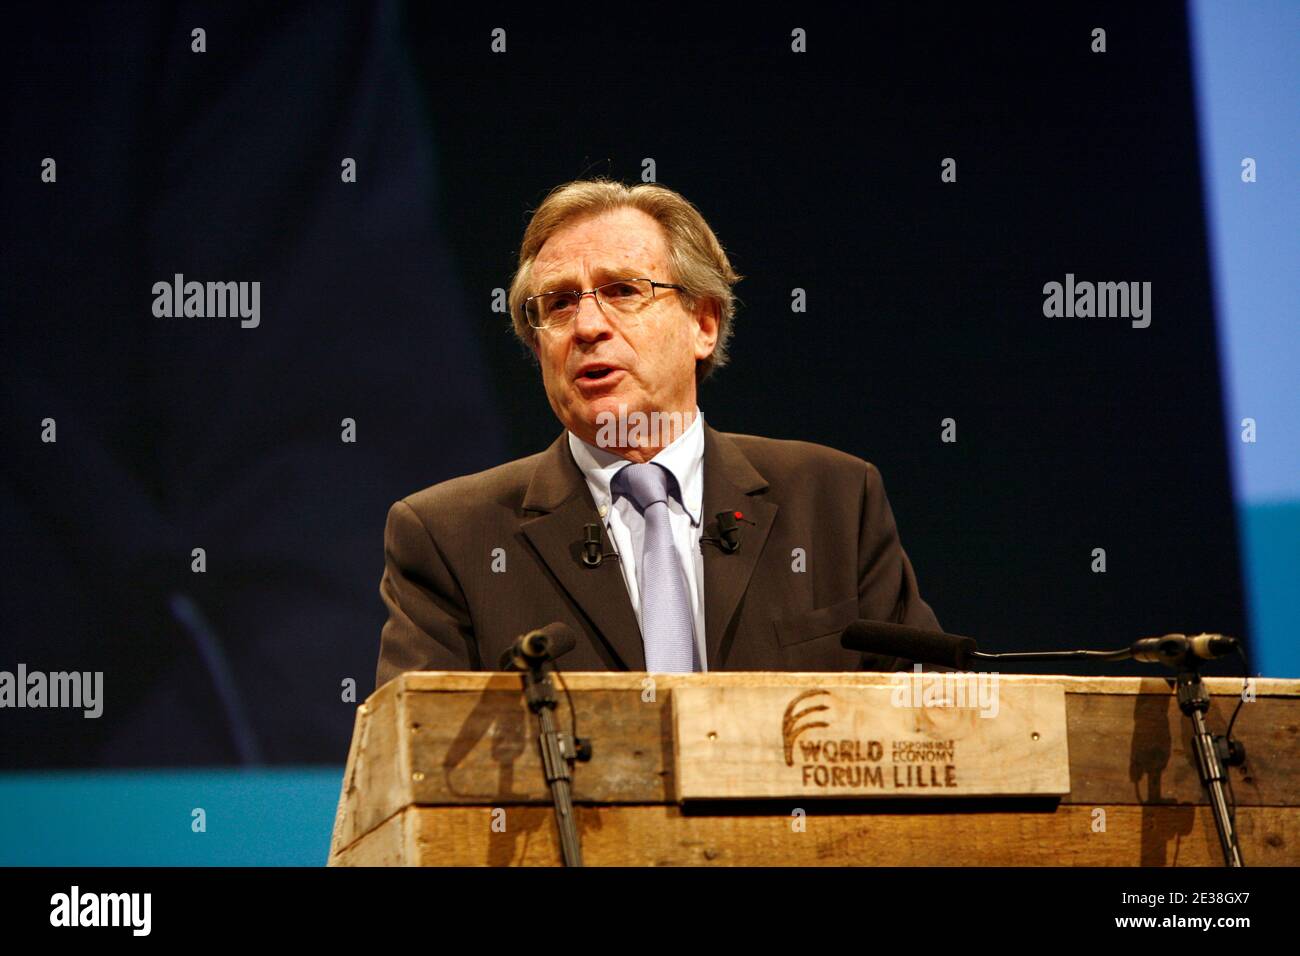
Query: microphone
729	531
728	538
538	646
1175	648
912	643
953	650
530	654
593	552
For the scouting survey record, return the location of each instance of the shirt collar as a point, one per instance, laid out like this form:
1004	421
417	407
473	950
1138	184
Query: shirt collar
684	459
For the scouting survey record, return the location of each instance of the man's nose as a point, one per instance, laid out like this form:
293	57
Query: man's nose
589	321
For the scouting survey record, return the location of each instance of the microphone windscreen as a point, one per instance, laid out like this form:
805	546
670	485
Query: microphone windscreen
561	636
912	643
1209	646
551	641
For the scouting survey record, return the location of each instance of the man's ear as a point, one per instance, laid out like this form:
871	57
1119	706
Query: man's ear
707	323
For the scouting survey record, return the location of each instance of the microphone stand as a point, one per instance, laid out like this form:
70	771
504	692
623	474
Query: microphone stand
1214	753
1211	754
559	750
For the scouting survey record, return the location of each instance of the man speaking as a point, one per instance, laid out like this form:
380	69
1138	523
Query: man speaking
665	545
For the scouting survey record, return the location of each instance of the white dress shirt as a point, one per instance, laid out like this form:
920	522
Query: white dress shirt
684	458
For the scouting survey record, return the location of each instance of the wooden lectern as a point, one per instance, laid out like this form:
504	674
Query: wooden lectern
762	769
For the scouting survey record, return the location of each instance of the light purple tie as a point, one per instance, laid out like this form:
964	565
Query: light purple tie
666	619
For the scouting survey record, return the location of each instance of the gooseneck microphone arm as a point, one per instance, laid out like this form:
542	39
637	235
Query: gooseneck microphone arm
1172	649
1184	654
953	650
1109	656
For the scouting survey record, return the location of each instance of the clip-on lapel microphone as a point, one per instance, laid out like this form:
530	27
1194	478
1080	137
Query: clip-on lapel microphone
728	538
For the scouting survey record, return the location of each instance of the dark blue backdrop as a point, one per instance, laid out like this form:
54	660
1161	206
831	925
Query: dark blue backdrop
819	171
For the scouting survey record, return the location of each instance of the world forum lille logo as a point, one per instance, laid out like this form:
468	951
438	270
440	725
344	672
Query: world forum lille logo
790	726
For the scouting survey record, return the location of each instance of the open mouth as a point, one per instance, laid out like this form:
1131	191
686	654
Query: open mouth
597	372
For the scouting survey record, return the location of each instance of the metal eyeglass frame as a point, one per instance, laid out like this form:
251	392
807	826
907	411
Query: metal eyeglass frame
542	328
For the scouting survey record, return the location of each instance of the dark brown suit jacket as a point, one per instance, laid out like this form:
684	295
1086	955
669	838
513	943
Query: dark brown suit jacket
449	610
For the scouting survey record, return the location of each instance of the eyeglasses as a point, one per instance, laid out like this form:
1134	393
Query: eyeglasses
550	310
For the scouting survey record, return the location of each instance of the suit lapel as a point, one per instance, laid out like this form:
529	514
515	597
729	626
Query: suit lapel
730	483
559	498
560	493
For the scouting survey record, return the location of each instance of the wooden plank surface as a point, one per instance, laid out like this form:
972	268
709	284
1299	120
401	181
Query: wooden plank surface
664	836
376	781
875	742
635	680
482	747
467	739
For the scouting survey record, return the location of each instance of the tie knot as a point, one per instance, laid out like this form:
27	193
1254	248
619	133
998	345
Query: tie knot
644	484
